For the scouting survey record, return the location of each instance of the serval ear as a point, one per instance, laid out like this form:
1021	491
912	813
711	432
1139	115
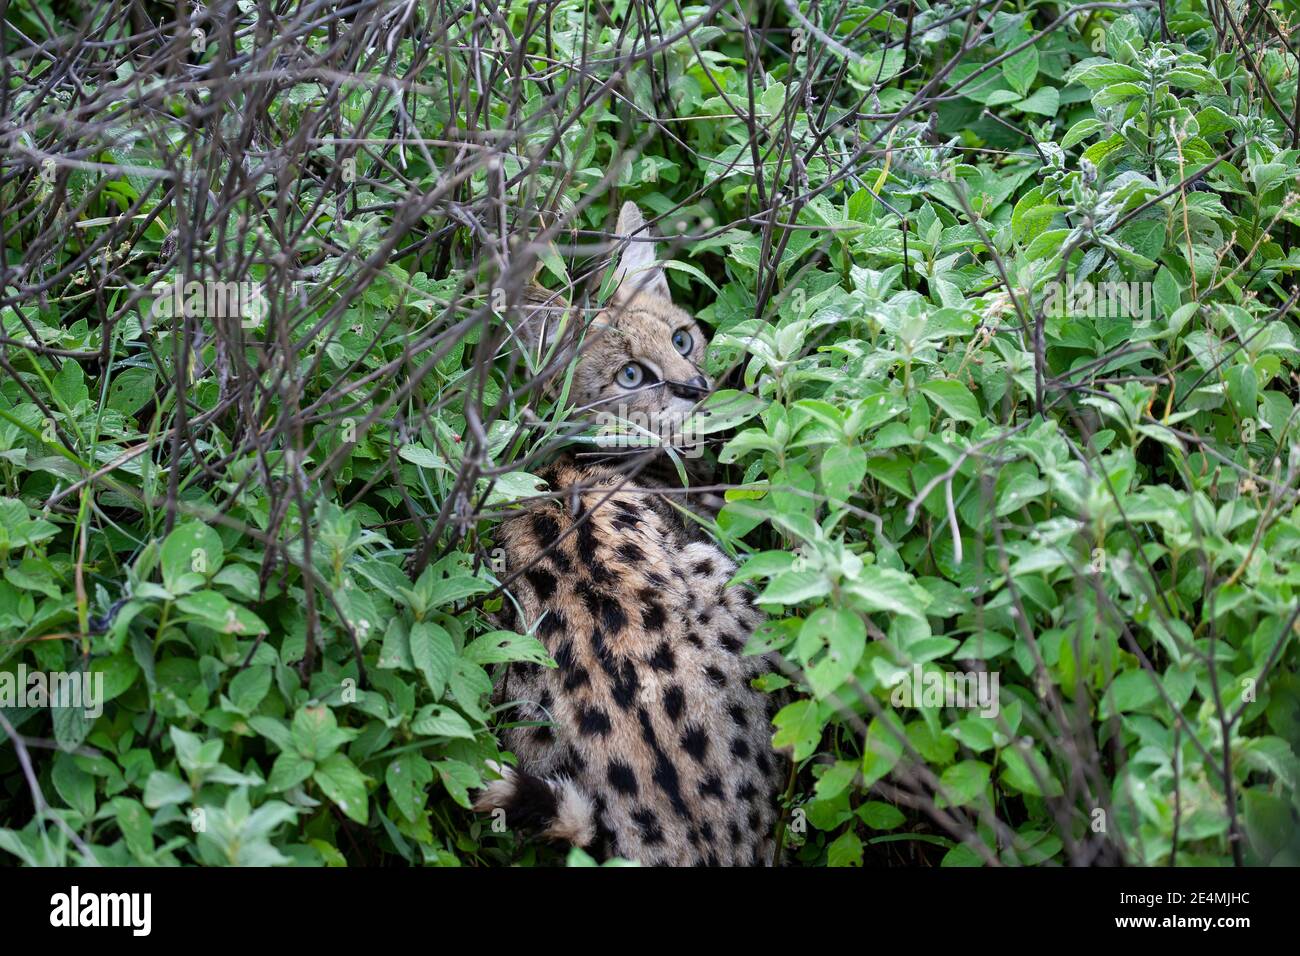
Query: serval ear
638	269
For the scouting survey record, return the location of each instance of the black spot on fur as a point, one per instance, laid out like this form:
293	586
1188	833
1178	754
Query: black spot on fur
695	743
674	699
612	616
665	776
704	568
733	831
740	747
652	618
622	778
578	677
586	535
589	596
715	675
544	735
564	656
576	760
764	765
694	639
747	791
731	643
593	722
712	787
604	843
647	728
552	623
543	582
604	608
665	773
625	685
755	820
648	824
545	528
604	656
630	553
663	659
738	715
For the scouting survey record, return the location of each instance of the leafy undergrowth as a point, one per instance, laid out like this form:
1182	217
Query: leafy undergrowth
1011	298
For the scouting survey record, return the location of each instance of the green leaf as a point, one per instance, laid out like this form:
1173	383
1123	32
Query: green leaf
406	777
316	733
963	783
459	778
880	816
438	721
289	770
798	727
1096	75
345	785
135	825
792	587
845	850
249	687
837	639
215	610
954	398
74	785
191	548
165	789
120	673
1045	102
433	653
842	470
1017	775
1196	78
499	647
883	747
1081	131
1021	69
454	589
1129	691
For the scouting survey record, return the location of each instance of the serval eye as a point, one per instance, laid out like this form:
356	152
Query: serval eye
682	341
630	375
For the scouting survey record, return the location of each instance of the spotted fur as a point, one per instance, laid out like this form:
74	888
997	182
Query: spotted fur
649	714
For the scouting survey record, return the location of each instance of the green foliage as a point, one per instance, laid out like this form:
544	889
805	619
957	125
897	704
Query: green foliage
940	469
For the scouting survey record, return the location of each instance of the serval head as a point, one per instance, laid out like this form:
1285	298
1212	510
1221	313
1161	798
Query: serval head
640	358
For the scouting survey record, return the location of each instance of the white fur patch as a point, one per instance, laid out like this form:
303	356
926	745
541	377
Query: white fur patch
497	793
575	816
